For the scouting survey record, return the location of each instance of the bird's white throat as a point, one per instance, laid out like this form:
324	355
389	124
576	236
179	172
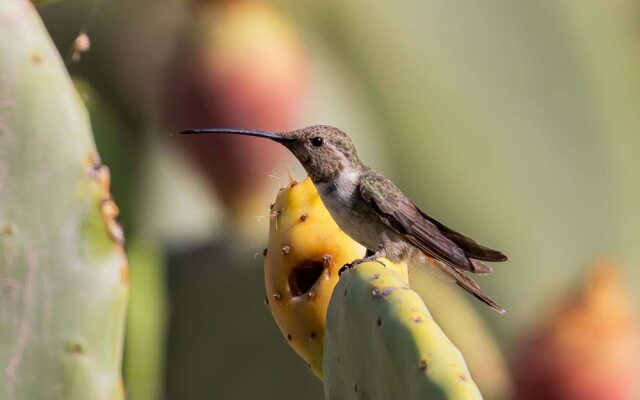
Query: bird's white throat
341	188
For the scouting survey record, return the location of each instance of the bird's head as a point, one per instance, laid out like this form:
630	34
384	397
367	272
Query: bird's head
324	151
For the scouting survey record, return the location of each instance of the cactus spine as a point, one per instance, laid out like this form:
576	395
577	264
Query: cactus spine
63	271
382	343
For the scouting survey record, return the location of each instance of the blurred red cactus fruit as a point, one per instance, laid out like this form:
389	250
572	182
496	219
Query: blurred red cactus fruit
589	349
245	67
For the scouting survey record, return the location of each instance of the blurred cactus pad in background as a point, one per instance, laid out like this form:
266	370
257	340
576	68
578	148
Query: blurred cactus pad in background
514	122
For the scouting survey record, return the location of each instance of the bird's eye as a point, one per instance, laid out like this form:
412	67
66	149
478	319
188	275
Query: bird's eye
317	141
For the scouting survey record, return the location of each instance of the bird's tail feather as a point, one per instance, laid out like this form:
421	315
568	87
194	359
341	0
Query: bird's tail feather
434	267
452	274
479	267
468	245
472	287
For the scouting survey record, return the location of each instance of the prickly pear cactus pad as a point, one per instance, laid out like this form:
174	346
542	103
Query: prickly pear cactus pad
304	253
382	343
63	270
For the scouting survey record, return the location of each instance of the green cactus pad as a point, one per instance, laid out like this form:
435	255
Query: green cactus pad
63	271
382	343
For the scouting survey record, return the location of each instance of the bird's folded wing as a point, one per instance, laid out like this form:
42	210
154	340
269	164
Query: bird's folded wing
470	247
401	215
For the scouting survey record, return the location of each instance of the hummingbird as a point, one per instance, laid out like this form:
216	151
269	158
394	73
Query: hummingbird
374	212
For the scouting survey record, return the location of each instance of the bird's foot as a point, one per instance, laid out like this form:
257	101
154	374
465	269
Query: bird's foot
355	263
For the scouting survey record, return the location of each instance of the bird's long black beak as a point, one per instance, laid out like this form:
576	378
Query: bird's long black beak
278	137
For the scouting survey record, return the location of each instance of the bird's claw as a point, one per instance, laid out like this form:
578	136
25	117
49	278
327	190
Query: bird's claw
355	263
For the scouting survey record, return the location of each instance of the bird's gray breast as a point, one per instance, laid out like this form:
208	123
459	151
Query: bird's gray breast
342	199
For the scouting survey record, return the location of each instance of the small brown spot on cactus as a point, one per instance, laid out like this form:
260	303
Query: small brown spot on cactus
311	295
379	321
375	276
378	293
92	160
285	250
277	296
109	210
76	347
304	217
289	337
417	319
264	252
36	57
462	377
312	335
355	387
110	214
423	364
326	260
6	230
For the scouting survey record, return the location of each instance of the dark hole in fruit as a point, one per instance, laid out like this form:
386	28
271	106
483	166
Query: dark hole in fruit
304	276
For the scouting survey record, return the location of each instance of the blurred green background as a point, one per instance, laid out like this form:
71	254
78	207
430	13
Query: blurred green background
517	123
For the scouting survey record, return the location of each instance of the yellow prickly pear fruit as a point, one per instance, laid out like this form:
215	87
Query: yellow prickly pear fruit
306	249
